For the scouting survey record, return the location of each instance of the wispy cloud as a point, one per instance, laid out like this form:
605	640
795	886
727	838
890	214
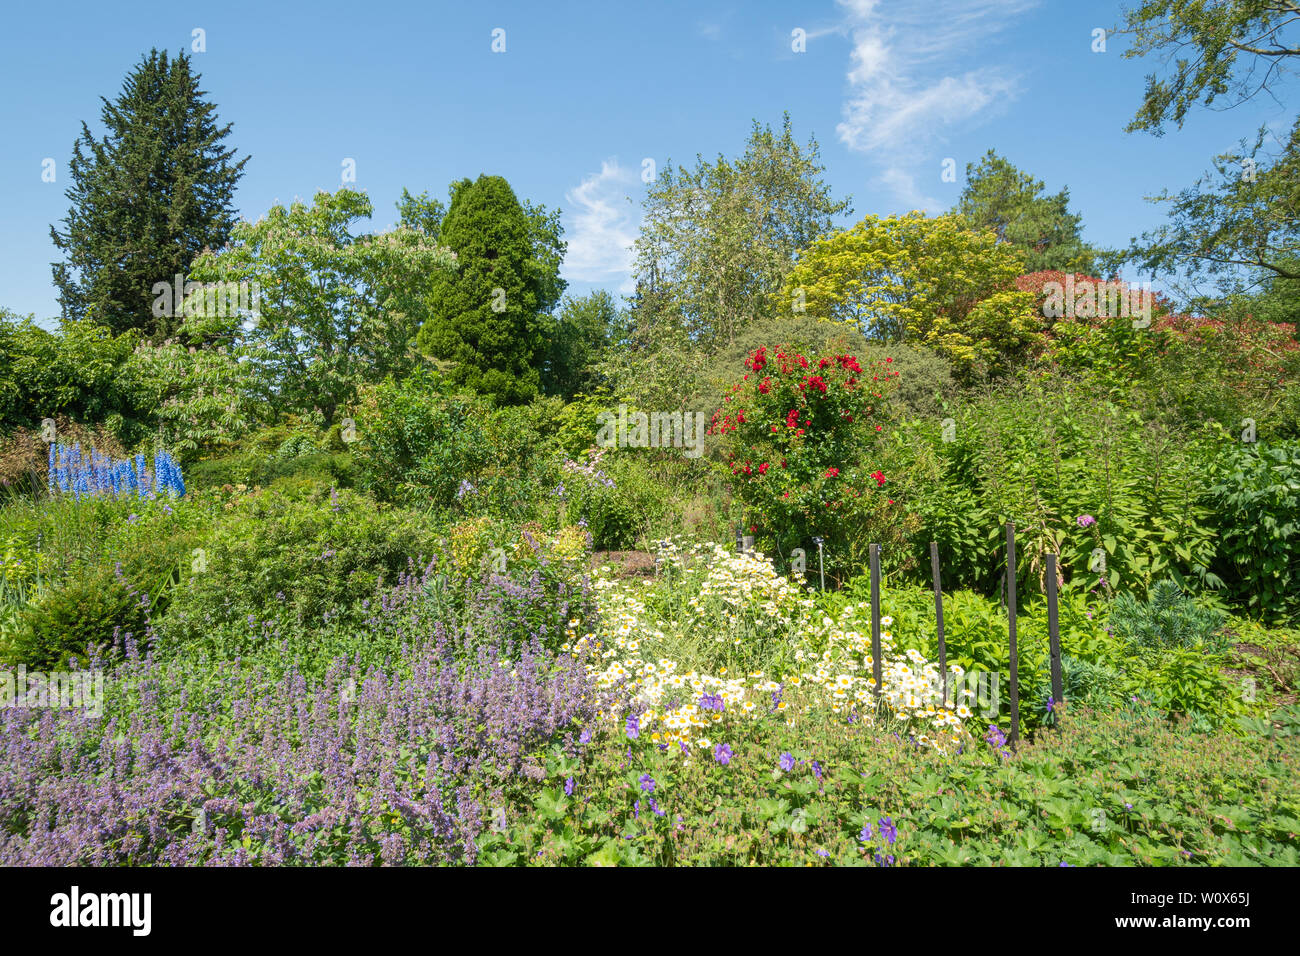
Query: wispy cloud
601	226
905	96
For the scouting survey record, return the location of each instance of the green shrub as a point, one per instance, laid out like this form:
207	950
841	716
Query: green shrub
1085	478
74	566
86	611
1168	619
298	561
622	504
291	455
1090	684
1255	501
925	381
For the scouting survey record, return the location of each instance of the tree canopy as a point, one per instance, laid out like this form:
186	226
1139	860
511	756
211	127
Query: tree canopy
486	321
1012	203
147	198
719	238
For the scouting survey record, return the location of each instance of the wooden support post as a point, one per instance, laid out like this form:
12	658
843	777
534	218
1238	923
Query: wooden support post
1013	736
1053	631
877	670
938	619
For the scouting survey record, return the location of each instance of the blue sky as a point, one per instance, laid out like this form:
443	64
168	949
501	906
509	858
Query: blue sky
585	92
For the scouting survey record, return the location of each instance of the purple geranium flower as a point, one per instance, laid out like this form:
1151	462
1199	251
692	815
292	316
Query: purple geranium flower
722	754
647	783
888	830
633	728
786	762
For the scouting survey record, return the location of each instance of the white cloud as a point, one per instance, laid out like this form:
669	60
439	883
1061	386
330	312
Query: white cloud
905	96
601	226
903	185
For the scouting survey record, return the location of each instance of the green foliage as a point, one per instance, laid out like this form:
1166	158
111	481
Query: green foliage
75	371
419	439
933	282
90	610
1255	500
1167	620
1089	683
292	563
88	572
289	455
1113	788
583	330
1187	681
485	320
199	396
1046	456
336	308
578	421
1000	197
717	240
799	434
421	442
146	199
1221	50
622	502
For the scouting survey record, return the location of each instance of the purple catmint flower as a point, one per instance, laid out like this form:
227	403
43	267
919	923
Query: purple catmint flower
238	746
1085	521
585	736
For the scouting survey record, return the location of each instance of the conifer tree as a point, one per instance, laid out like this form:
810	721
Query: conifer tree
146	199
488	320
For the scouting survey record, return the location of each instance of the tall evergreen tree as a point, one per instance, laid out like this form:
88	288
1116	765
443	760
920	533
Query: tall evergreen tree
487	320
146	199
1000	197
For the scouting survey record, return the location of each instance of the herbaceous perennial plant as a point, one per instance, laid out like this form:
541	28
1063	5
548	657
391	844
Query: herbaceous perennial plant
725	638
90	473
